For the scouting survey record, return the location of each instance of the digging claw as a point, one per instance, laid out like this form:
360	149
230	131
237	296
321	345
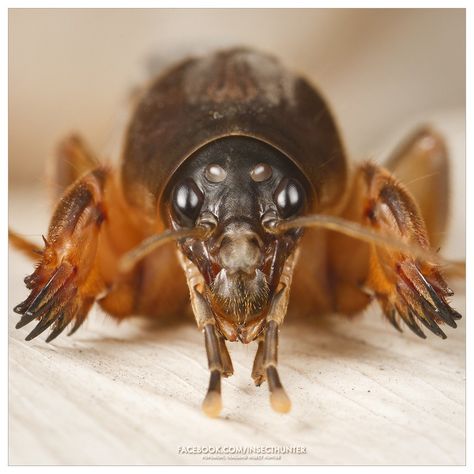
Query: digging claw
39	328
58	329
54	303
420	298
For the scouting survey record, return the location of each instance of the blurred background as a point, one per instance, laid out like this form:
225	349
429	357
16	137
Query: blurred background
381	70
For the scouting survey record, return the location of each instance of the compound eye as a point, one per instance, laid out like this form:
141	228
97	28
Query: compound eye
288	197
187	202
215	173
261	172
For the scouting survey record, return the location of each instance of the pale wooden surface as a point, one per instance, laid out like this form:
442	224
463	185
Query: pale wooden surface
130	394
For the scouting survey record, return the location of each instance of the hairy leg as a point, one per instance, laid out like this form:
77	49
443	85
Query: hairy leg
66	280
82	189
406	288
73	159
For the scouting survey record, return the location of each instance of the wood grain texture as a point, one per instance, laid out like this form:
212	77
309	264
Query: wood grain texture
131	393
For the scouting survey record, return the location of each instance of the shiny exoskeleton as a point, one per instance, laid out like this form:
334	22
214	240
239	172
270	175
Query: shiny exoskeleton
234	189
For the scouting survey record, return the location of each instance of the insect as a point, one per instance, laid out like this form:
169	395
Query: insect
234	192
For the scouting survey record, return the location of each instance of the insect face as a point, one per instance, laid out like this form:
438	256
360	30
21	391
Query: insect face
235	184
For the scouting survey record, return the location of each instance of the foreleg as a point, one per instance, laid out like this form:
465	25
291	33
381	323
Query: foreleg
66	280
406	287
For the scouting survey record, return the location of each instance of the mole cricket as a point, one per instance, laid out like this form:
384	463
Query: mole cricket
234	192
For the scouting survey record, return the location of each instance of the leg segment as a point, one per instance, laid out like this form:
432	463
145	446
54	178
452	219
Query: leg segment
405	287
92	227
66	282
73	160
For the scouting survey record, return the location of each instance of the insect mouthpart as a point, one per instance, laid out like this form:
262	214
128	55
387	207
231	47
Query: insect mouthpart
240	252
240	289
240	296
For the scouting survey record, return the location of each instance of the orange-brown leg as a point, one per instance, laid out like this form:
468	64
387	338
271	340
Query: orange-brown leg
73	159
405	287
84	190
66	280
